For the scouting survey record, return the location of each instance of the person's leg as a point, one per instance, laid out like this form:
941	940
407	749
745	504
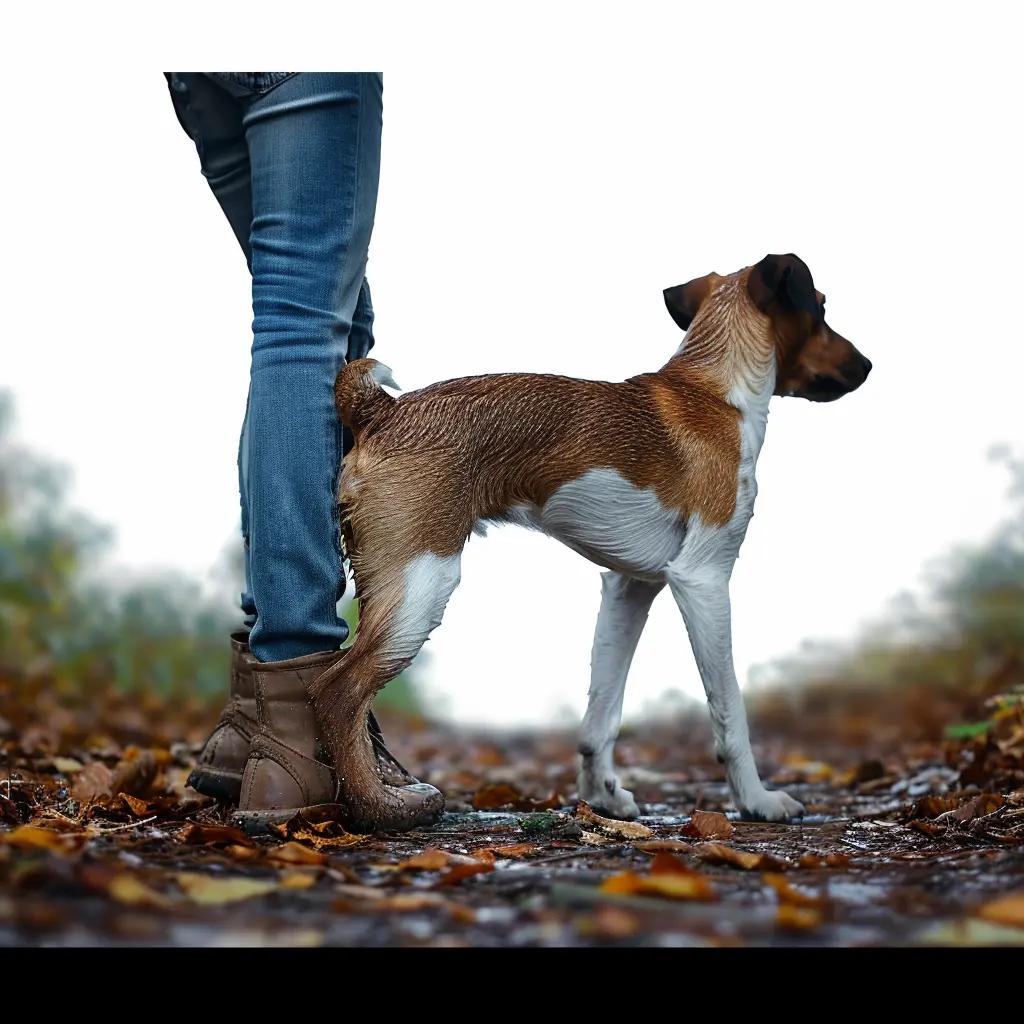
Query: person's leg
314	150
212	117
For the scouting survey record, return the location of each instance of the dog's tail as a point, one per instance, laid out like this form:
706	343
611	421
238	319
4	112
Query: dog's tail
358	395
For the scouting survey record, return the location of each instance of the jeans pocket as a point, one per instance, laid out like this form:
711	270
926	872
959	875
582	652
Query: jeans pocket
250	83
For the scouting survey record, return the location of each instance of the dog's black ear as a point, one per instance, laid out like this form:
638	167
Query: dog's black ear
684	300
785	279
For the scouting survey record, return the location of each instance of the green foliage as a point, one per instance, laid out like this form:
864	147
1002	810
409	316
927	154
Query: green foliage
965	632
61	617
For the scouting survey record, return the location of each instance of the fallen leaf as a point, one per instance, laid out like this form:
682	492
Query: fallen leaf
492	797
797	919
461	871
719	853
675	886
318	834
663	846
122	886
297	880
625	829
244	852
67	765
933	806
594	839
666	863
1007	910
94	782
137	770
214	835
214	892
708	824
786	893
831	860
516	850
140	808
32	837
295	853
428	860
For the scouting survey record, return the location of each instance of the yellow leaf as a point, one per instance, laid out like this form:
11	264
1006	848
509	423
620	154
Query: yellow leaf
209	891
1005	910
297	880
31	837
126	888
797	919
67	765
675	886
295	853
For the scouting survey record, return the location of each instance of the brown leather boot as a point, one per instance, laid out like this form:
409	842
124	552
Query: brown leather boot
288	771
218	770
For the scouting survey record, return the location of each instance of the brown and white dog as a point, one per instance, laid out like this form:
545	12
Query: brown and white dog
651	478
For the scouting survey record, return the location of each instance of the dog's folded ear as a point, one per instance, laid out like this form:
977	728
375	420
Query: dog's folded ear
784	279
684	300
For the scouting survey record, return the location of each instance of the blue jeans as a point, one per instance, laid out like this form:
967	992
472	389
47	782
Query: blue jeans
293	159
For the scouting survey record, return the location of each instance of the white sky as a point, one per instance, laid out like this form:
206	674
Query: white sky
547	170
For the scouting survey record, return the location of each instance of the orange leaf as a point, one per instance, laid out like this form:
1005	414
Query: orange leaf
1005	910
719	853
516	850
675	886
298	880
705	824
295	853
491	797
797	919
32	837
663	846
137	807
429	860
788	895
426	901
665	863
214	835
461	871
244	852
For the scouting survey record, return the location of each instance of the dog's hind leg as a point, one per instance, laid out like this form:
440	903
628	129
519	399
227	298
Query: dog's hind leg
400	603
702	593
625	603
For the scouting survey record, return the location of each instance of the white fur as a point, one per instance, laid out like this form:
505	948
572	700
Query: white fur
429	582
608	520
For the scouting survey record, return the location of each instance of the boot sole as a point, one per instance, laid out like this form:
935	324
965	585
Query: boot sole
257	823
222	785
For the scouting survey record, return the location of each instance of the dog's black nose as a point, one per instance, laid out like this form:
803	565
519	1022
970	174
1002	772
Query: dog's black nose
867	365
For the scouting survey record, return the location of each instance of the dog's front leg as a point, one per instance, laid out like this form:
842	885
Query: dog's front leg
702	594
625	603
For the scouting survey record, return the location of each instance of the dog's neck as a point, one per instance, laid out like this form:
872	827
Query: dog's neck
729	350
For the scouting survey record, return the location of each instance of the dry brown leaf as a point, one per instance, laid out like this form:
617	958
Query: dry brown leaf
431	859
708	825
214	892
786	893
295	853
492	797
32	837
831	860
137	770
595	839
461	871
719	853
690	886
666	863
625	829
327	835
244	852
94	782
214	835
663	846
1007	910
933	806
516	850
67	765
140	808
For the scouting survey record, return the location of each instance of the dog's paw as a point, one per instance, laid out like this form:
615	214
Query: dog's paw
610	799
771	806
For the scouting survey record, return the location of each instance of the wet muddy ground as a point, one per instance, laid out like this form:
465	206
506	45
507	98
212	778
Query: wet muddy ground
904	843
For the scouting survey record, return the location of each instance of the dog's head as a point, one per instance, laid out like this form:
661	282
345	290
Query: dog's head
812	361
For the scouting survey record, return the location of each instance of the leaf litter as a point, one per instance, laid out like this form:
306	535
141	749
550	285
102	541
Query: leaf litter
903	843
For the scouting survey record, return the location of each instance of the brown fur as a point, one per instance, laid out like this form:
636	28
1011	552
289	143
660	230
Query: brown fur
427	466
